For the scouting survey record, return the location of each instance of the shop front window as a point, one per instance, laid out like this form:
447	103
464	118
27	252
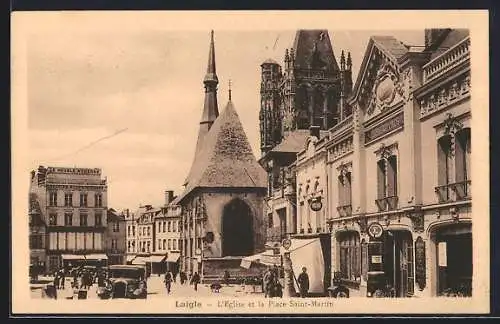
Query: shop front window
350	256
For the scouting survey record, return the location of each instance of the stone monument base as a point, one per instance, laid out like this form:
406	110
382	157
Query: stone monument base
213	269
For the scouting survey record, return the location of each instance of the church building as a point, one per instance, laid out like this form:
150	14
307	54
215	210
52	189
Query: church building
221	219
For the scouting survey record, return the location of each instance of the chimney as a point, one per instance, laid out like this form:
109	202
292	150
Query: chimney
314	131
434	36
169	196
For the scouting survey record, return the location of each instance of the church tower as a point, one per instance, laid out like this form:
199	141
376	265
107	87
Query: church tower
270	116
310	90
311	87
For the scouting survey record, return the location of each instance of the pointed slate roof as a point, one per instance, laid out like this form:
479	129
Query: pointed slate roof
295	140
226	159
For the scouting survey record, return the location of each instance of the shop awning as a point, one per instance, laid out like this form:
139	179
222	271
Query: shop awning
308	253
96	257
140	260
173	257
262	258
72	257
156	258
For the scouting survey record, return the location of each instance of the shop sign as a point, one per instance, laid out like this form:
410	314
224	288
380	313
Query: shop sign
442	257
270	259
376	259
375	230
384	128
316	204
286	243
420	263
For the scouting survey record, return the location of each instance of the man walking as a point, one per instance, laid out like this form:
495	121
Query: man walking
303	281
168	281
62	282
195	280
267	281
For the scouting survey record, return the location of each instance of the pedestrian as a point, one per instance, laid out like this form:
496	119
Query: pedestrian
63	279
303	281
175	275
168	281
195	280
56	279
267	282
75	279
226	277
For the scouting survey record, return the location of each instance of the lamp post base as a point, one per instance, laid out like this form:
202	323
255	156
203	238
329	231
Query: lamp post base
288	289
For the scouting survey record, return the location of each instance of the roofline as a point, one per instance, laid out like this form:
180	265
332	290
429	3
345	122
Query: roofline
217	189
362	70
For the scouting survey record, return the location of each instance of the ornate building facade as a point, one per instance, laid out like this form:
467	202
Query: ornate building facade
222	200
397	177
302	100
72	203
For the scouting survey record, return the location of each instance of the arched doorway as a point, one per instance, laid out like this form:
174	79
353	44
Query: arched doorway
237	229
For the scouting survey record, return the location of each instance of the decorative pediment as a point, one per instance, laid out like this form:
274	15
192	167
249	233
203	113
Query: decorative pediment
381	84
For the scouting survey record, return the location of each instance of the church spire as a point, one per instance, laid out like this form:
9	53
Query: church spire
210	108
211	75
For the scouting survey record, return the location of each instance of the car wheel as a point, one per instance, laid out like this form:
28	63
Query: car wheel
341	293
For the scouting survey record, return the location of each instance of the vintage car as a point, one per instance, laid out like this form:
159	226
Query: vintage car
125	281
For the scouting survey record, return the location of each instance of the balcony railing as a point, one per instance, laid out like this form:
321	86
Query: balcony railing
345	210
454	191
447	61
387	203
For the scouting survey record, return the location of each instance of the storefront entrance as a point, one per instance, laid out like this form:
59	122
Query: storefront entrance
398	264
391	265
454	260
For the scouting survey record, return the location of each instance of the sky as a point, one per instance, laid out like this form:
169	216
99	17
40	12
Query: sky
129	100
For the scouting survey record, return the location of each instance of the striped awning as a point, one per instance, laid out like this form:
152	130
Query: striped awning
173	257
96	257
156	258
72	257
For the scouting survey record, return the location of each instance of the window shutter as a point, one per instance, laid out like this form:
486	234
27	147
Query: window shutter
459	159
348	189
381	179
341	191
392	171
467	153
442	148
